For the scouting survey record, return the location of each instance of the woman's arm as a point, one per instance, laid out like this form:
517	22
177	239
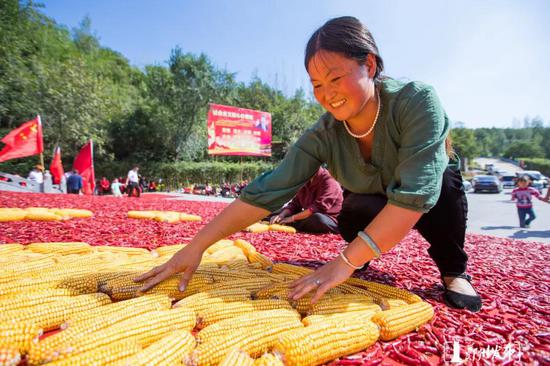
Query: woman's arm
387	229
235	217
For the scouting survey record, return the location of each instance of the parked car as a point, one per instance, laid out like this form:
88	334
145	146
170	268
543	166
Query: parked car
466	185
487	183
508	181
536	177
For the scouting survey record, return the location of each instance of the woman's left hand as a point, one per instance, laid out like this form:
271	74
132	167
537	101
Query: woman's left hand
323	279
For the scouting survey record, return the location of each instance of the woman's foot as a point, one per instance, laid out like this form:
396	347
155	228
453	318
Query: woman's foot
460	294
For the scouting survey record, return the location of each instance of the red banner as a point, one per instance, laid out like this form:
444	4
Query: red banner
56	167
238	131
25	140
84	163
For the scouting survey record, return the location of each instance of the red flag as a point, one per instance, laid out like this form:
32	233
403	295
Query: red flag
25	140
84	163
56	167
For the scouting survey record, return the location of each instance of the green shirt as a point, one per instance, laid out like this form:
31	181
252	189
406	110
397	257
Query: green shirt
407	161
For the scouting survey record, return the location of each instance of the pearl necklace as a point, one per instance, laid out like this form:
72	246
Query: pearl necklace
373	124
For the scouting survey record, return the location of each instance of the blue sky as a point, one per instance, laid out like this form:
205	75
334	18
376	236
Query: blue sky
489	60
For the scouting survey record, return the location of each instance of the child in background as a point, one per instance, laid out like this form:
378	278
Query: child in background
523	194
115	187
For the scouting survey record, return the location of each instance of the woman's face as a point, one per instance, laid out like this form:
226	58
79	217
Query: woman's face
341	85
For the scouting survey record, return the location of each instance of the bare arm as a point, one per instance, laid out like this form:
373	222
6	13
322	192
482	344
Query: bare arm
297	217
233	218
387	229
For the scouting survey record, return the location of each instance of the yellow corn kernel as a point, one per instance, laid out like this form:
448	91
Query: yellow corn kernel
42	216
236	357
9	355
387	304
170	350
125	250
220	244
142	214
225	255
12	215
51	315
319	344
200	301
291	270
169	249
254	319
282	228
246	247
257	228
254	340
342	304
221	311
73	212
169	217
20	301
403	319
258	257
103	355
6	249
325	318
380	291
19	335
249	284
146	329
62	248
268	359
189	217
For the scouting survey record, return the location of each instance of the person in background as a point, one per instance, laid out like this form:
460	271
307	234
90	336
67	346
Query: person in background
152	186
523	195
547	197
386	142
132	182
315	207
74	183
105	186
37	174
115	188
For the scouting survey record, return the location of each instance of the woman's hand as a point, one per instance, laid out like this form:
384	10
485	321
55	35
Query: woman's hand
287	220
186	260
276	219
323	279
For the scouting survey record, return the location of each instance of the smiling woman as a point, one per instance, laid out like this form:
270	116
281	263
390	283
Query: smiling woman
385	142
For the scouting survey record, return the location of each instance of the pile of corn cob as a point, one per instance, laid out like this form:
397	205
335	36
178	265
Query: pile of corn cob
163	216
234	311
42	214
262	227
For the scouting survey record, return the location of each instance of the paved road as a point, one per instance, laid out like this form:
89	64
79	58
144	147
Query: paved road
499	164
495	214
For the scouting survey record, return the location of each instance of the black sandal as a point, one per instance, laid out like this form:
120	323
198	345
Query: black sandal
461	301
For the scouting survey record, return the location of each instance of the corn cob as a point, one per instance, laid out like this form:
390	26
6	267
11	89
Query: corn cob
169	217
9	355
202	300
387	304
125	250
254	319
257	228
60	248
225	255
258	257
291	270
237	265
402	320
189	217
12	215
104	355
268	359
99	322
349	289
77	284
282	228
168	351
249	284
10	248
380	291
20	335
27	265
42	216
236	357
73	212
146	329
168	249
120	309
51	315
142	214
342	304
319	344
221	311
220	244
254	340
245	246
20	301
324	318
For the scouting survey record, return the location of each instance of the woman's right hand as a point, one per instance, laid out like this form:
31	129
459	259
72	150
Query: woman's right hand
276	219
186	260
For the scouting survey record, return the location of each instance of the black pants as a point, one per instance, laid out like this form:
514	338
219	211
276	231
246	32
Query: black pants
131	187
444	226
317	223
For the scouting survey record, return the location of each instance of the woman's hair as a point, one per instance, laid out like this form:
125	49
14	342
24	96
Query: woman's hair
347	36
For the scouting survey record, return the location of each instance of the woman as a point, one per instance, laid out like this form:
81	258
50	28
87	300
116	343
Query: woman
385	142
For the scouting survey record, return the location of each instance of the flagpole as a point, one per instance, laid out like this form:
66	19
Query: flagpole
41	142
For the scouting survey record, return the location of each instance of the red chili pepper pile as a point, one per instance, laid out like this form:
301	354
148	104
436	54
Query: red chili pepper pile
512	276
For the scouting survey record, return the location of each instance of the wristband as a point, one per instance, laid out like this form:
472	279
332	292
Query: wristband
346	260
370	243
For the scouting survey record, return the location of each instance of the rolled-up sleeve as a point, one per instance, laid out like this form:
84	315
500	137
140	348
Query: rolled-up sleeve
273	189
422	158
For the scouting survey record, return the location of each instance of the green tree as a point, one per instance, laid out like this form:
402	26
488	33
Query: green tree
524	149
